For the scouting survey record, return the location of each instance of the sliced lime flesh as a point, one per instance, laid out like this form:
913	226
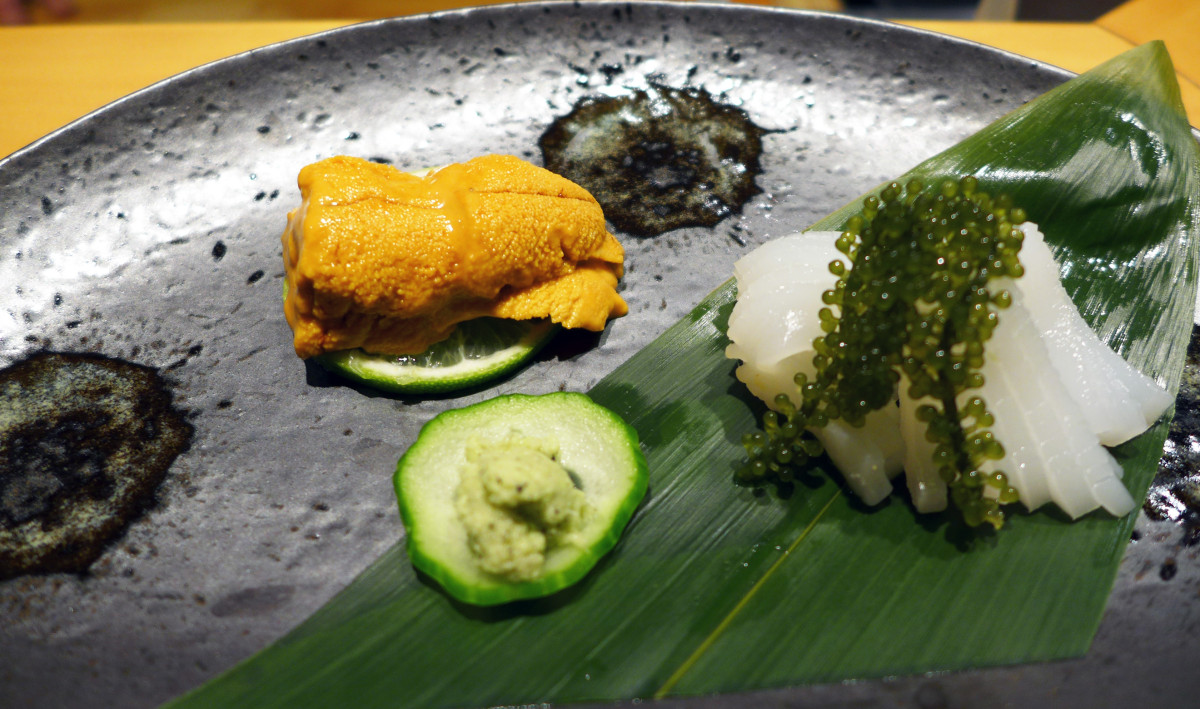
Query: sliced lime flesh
477	352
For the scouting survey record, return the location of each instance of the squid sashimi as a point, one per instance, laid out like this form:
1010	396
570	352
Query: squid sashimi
1118	401
925	486
1048	391
1051	450
777	276
771	330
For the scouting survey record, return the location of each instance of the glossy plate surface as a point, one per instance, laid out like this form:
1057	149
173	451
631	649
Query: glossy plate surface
150	231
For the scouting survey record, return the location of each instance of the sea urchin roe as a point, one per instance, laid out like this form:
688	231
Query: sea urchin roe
383	260
659	159
516	502
84	443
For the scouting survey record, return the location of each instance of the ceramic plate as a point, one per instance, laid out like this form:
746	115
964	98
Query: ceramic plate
149	231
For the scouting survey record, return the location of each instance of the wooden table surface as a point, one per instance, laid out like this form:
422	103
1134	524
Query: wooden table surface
55	73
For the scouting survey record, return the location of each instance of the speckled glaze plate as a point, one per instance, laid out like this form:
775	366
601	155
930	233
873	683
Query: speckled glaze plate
149	231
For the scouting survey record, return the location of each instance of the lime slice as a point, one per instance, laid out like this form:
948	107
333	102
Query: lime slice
476	352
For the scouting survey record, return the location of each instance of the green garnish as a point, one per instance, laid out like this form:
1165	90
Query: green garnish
477	352
919	300
468	460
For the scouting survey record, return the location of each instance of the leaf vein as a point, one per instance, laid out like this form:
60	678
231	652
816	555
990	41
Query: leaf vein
709	641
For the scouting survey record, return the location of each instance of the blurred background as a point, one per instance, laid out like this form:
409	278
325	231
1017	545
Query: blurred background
69	57
125	11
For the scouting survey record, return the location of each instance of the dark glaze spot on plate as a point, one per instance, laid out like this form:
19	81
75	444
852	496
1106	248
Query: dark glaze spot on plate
1175	493
85	441
611	72
252	601
1167	571
659	159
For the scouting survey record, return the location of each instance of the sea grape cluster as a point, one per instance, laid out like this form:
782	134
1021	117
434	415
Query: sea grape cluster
916	300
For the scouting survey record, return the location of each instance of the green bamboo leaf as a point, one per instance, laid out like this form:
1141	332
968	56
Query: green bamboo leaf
1105	164
718	588
1117	196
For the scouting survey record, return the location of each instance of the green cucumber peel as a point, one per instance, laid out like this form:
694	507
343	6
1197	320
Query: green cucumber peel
597	447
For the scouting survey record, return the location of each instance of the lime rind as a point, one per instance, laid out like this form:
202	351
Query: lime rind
477	352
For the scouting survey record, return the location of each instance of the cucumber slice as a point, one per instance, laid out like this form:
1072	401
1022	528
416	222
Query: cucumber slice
597	448
476	352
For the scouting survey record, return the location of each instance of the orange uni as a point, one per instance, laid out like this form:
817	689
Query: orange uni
383	260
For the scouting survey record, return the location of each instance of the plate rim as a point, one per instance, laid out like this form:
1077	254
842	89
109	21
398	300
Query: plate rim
534	6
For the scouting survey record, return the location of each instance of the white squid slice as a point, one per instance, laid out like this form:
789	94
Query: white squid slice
776	327
804	255
778	284
1056	391
868	457
768	382
1117	400
1051	451
925	486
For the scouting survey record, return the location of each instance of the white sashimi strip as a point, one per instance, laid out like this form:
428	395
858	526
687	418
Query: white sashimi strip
774	317
1050	383
1026	422
1109	491
1117	400
779	295
766	383
774	320
1016	421
771	329
867	457
925	485
1042	420
806	253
